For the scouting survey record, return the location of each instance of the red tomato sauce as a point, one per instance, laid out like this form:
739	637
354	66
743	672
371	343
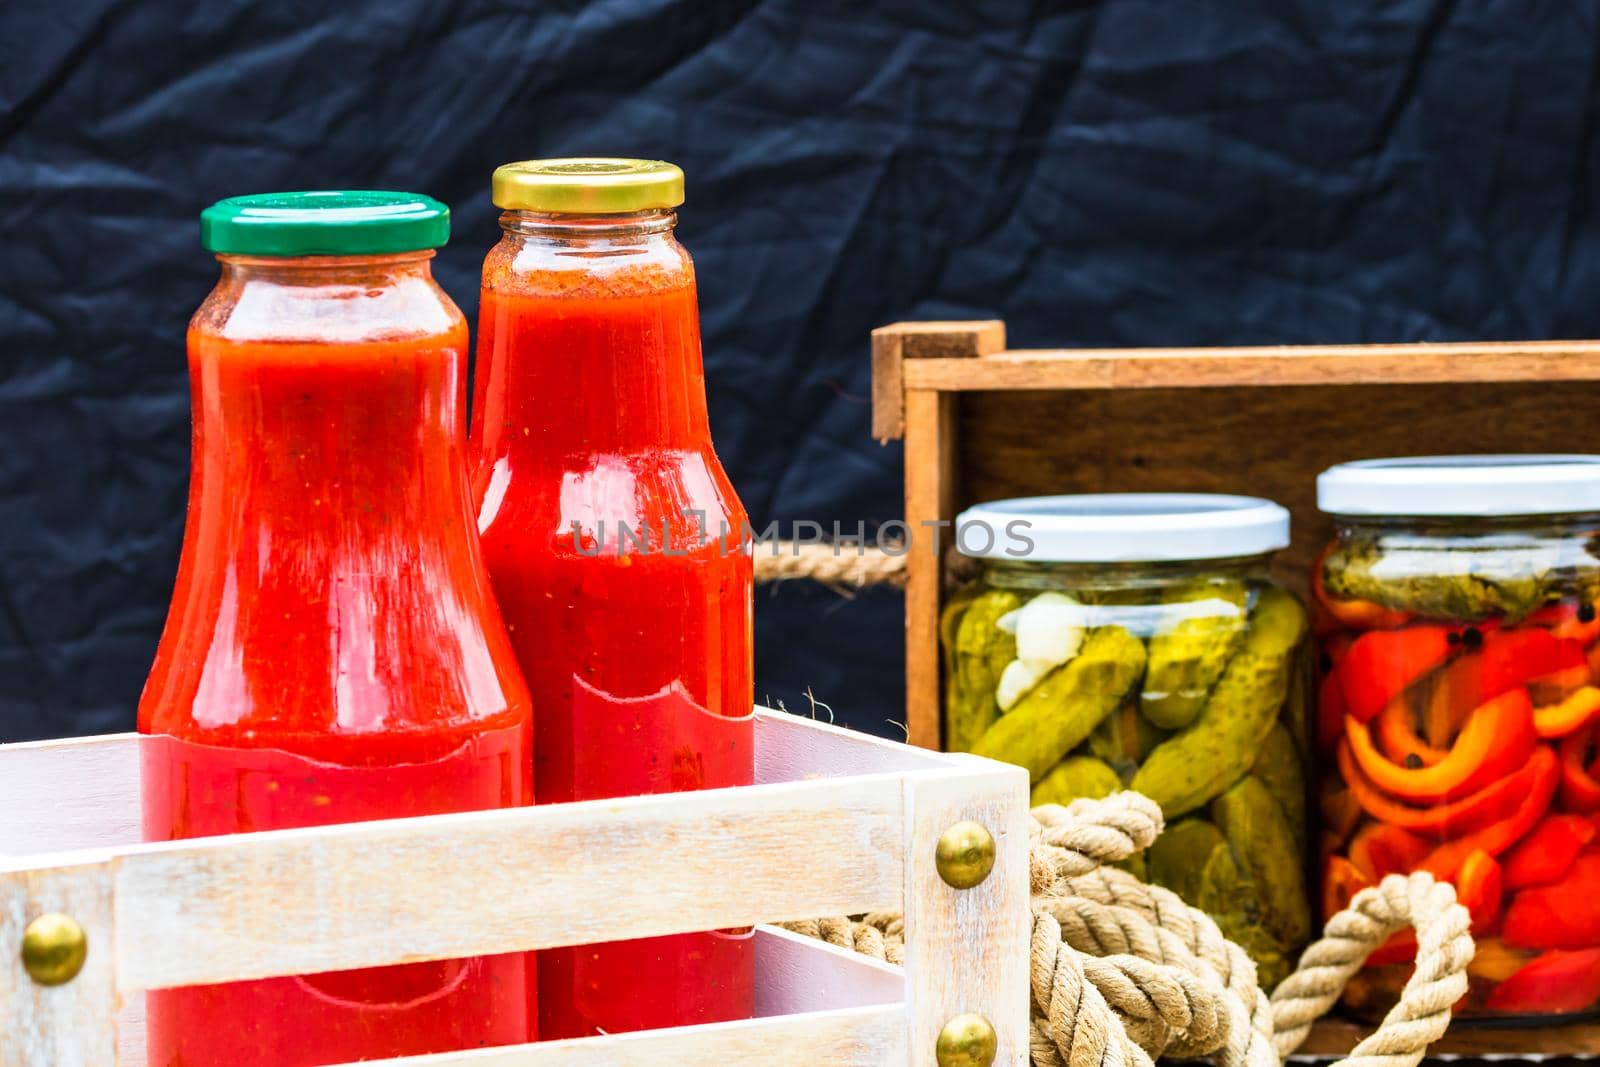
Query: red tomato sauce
619	556
332	655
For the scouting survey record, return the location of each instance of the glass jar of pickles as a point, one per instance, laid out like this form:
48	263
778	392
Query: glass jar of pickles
1458	715
1136	641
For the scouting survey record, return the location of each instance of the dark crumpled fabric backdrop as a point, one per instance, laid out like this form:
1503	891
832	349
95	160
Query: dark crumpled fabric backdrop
1119	173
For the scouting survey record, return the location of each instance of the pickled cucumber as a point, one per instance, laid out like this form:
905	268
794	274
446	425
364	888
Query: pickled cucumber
1188	655
1231	897
1254	824
980	650
1125	737
1135	864
950	617
1074	777
1210	754
1493	580
1070	702
1280	770
1179	856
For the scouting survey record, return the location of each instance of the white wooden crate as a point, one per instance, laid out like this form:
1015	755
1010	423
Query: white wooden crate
840	823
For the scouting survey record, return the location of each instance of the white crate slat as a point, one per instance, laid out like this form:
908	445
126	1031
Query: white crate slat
66	1026
968	950
64	795
857	1037
211	910
828	833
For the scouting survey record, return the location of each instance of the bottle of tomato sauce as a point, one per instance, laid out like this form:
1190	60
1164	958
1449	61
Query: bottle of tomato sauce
618	549
333	652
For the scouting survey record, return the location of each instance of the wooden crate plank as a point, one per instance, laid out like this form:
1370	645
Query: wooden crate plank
900	341
930	500
80	793
64	795
70	1025
1329	365
1333	1038
853	1037
967	949
293	902
792	748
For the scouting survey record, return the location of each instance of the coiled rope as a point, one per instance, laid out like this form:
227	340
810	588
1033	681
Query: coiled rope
1123	972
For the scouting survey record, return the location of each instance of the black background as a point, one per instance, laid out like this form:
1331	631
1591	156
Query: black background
1129	172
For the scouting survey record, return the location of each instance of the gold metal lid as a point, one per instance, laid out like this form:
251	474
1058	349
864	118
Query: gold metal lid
588	186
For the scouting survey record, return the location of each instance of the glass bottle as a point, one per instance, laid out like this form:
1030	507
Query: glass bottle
333	652
617	546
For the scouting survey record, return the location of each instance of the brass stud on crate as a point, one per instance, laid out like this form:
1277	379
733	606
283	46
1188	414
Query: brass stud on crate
965	854
54	947
966	1041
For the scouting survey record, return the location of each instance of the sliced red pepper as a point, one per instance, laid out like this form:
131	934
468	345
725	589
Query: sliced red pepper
1400	948
1495	961
1352	614
1341	880
1580	785
1339	808
1556	983
1554	688
1330	711
1564	914
1398	738
1380	850
1497	737
1480	888
1569	620
1575	712
1547	853
1445	861
1508	659
1382	664
1495	801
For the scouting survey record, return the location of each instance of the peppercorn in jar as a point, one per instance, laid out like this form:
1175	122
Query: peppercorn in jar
1137	641
1458	715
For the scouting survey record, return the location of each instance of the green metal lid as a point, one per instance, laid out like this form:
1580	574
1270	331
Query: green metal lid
335	222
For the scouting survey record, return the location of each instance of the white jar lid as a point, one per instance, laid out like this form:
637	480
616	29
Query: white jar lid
1122	528
1462	485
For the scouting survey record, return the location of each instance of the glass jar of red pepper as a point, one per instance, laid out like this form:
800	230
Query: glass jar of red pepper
1459	713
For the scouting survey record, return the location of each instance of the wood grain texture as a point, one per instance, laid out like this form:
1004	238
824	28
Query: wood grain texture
92	790
71	1025
790	748
967	949
1337	365
888	389
850	1037
900	341
1262	442
930	499
951	340
449	886
1332	1038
